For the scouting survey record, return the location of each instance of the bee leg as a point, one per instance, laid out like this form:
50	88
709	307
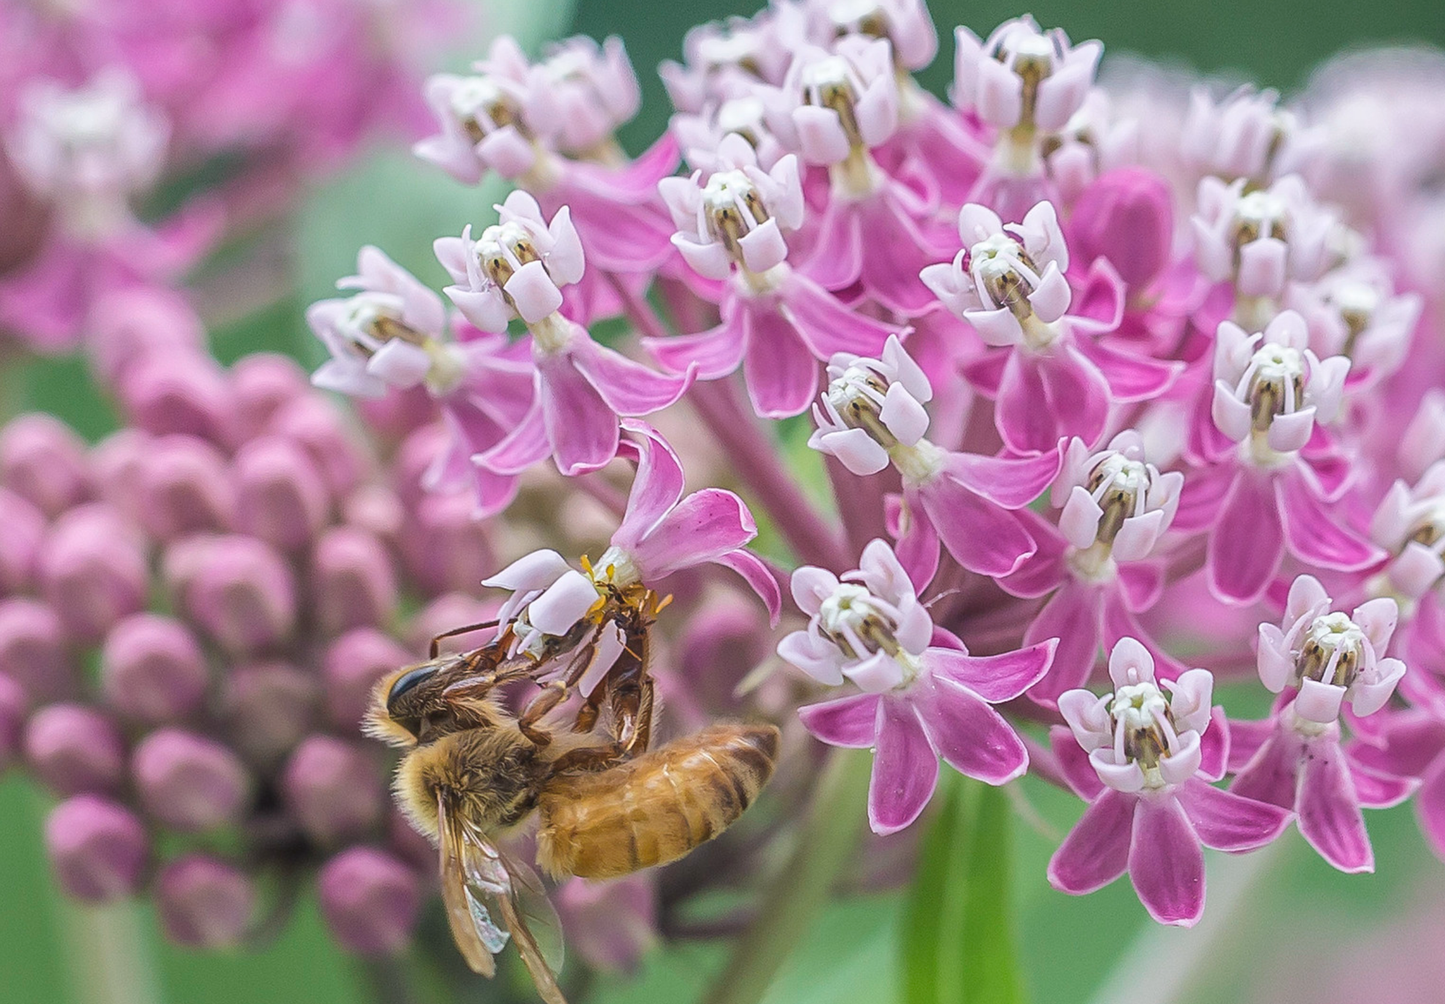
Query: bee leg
476	687
551	696
587	714
632	696
438	639
589	758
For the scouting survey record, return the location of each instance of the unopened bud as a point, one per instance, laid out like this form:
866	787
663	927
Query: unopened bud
185	487
263	383
139	322
183	392
12	720
323	433
188	782
283	499
204	902
93	571
119	463
352	580
97	848
446	547
334	789
20	542
237	588
269	708
1126	216
370	901
73	749
33	650
152	670
352	665
42	459
447	612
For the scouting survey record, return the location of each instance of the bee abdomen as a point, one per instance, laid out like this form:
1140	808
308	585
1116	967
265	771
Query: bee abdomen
657	808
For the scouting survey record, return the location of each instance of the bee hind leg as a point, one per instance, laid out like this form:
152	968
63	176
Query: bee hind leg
551	696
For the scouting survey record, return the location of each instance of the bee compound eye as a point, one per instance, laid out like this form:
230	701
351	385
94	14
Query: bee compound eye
408	681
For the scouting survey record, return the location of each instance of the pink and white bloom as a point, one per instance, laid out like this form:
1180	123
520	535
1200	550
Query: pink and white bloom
871	416
1247	135
662	531
1354	311
1023	76
1008	283
1321	659
920	701
1410	524
777	323
1147	779
1273	489
517	268
1097	563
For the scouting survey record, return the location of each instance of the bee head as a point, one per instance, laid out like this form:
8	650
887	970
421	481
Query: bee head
400	702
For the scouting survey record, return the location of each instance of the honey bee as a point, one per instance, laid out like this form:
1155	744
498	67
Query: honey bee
475	771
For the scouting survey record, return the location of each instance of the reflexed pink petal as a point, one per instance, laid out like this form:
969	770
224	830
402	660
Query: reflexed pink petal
1120	622
970	736
1272	774
759	577
1075	763
1131	377
1229	822
1329	809
1166	863
1215	745
1245	740
1012	482
917	549
524	446
838	260
717	352
1201	497
1096	851
580	426
1140	583
826	325
1430	806
1045	569
781	371
851	721
905	768
1376	790
1408	744
1315	535
1246	544
656	487
1043	398
981	536
894	252
628	387
995	678
1072	616
704	526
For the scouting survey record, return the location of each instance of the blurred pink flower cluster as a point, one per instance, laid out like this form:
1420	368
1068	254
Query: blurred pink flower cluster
1120	388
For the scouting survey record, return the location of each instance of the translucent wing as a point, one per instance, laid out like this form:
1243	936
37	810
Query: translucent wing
491	899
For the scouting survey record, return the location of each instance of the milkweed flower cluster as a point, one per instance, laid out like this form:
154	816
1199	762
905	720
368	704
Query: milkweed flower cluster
1098	416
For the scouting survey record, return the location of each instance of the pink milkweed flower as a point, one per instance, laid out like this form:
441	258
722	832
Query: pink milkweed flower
872	416
1008	283
834	108
392	336
548	127
1097	563
1260	240
921	701
1023	76
905	23
1295	759
777	323
1273	490
662	531
1354	311
1151	805
517	268
1094	142
726	58
1246	135
1410	524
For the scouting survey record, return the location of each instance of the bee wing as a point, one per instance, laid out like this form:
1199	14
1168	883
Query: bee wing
482	887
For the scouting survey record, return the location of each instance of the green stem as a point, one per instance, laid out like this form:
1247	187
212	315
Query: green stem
111	956
800	888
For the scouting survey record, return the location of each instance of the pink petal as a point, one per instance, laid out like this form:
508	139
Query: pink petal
781	371
580	426
628	387
656	487
1131	377
716	352
826	325
1245	740
917	549
1012	482
1229	822
852	722
1166	863
1272	774
1329	809
1044	570
1140	583
995	678
905	768
838	260
1376	790
1215	746
1430	806
1044	398
1072	616
972	737
703	527
893	255
1315	535
759	577
1075	763
981	536
1246	544
1096	851
526	444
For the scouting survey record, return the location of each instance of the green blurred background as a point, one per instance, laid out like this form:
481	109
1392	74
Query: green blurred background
1280	925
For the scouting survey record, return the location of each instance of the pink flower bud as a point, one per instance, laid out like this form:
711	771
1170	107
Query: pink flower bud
446	547
447	612
269	708
398	414
377	510
263	383
188	782
12	720
97	848
138	322
119	462
24	525
204	902
33	649
152	669
42	459
185	487
93	571
406	843
352	665
1125	215
722	646
323	433
180	392
283	499
237	588
611	924
370	901
73	748
352	580
334	788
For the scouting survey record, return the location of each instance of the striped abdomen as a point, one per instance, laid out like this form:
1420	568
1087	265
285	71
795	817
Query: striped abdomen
654	809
